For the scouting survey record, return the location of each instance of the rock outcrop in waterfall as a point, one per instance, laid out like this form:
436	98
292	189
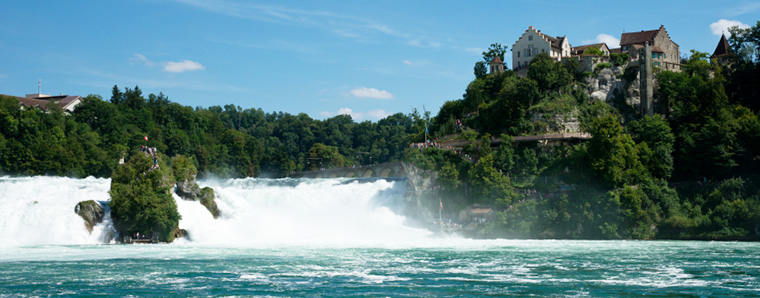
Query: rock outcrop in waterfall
92	213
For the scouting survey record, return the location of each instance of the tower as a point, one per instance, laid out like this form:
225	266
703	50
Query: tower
497	65
646	82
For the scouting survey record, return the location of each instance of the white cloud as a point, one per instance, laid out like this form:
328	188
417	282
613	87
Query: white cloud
611	41
345	111
169	66
141	59
382	28
722	25
364	92
182	66
325	114
743	9
416	63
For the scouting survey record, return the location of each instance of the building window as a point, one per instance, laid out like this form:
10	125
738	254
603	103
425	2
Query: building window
518	54
530	37
542	50
665	55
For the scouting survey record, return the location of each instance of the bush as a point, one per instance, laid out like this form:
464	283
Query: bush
619	59
601	66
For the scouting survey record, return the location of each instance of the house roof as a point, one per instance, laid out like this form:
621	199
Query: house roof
580	49
62	101
637	37
723	49
496	60
556	42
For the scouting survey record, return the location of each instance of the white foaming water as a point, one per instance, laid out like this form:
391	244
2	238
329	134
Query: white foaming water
257	212
40	211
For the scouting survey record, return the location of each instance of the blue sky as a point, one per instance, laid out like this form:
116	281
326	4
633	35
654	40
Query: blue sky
368	59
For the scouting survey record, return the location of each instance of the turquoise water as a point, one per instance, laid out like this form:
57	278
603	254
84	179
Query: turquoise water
434	267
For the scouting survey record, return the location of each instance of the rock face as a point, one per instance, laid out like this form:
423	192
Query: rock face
189	190
617	86
92	213
207	200
420	205
185	172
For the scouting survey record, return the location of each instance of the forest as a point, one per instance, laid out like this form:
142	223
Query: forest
689	172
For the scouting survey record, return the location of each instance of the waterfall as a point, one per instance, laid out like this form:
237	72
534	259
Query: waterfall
40	211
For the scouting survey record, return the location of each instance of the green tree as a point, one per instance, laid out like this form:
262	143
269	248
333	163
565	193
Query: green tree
495	50
480	69
548	73
448	176
141	199
593	51
488	185
504	157
655	132
321	155
613	154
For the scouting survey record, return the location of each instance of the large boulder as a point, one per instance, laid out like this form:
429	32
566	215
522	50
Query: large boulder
92	213
188	190
207	200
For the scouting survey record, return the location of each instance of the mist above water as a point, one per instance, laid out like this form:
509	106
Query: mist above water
40	211
302	212
254	212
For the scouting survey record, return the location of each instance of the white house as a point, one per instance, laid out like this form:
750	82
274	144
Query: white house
533	42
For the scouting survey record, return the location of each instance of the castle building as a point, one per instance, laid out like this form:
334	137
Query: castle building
579	51
496	65
722	52
533	42
665	52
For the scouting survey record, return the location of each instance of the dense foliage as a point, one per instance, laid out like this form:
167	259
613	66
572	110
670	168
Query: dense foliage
224	141
141	200
689	172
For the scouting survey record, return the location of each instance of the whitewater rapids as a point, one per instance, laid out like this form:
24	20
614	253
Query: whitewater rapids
254	212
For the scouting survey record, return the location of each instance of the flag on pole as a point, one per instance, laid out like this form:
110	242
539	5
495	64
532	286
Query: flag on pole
439	201
146	138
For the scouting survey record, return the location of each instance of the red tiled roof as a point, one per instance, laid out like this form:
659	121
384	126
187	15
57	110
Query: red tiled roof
637	37
31	102
496	60
723	49
580	49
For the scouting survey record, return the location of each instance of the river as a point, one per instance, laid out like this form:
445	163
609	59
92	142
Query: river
331	238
